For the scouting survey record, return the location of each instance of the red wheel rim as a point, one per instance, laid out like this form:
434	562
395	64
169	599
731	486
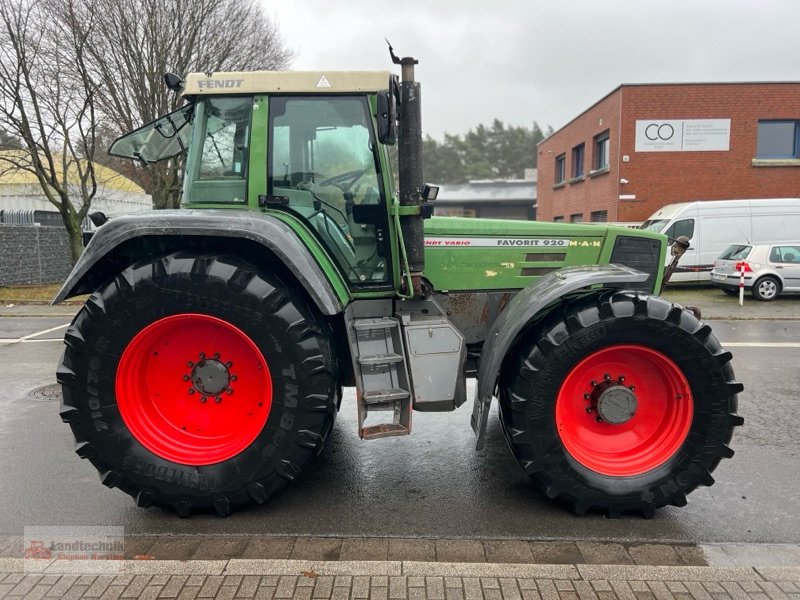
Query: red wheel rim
636	435
193	389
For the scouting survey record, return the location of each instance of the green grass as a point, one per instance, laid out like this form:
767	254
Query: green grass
33	294
28	293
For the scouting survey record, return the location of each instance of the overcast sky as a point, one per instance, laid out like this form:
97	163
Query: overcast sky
545	61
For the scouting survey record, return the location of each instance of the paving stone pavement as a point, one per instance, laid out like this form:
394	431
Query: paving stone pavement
394	580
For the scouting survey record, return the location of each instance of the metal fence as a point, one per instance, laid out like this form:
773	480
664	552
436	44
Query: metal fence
34	247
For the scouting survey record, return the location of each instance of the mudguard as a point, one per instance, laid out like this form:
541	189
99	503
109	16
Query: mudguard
268	231
524	307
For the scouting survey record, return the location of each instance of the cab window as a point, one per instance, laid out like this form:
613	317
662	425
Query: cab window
323	166
226	138
216	167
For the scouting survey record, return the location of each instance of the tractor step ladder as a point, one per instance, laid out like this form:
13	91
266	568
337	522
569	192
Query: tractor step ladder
382	374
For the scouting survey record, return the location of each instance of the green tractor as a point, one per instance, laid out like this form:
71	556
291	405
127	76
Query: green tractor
206	368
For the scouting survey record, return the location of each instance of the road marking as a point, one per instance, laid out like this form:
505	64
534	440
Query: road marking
38	333
761	344
27	338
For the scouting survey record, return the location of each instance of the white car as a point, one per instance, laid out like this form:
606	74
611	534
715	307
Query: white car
769	269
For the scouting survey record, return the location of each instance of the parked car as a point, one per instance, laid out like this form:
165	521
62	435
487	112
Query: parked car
769	269
712	225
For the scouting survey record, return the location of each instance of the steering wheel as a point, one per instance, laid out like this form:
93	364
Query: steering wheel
344	181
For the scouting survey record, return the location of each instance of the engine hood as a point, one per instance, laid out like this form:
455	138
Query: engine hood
470	254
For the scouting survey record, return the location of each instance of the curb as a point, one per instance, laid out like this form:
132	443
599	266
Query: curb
277	567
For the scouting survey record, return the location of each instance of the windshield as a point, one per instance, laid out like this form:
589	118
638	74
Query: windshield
656	225
163	138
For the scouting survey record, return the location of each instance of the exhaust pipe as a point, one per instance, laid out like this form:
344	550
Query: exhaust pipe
410	171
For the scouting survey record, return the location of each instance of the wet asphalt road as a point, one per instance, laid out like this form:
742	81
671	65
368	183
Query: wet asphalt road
431	484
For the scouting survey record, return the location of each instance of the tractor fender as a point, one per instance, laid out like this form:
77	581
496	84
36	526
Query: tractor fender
272	233
524	307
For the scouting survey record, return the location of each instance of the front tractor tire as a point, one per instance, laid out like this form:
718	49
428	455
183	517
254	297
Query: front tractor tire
619	402
198	382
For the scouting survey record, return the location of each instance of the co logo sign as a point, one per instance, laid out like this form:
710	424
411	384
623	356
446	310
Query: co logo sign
655	131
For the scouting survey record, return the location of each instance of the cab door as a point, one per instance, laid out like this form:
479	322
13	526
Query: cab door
323	166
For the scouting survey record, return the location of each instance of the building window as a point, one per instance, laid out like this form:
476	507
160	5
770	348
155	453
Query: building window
599	216
778	139
558	219
601	151
576	218
577	161
561	162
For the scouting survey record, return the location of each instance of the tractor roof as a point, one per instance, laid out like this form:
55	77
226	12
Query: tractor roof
256	82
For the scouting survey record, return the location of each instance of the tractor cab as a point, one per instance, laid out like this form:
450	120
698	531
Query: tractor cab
306	147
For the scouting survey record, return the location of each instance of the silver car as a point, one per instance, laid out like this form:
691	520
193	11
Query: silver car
770	269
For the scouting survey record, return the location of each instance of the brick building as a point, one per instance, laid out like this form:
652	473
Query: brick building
644	146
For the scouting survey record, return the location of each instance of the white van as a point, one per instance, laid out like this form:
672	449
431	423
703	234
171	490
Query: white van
713	225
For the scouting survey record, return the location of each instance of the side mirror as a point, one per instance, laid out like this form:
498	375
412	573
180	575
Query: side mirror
173	82
387	116
98	218
680	246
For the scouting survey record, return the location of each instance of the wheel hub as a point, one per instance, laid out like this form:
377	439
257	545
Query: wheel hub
616	405
611	400
210	376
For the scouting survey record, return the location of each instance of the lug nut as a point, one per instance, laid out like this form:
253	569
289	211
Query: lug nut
190	364
587	397
203	399
229	364
229	391
598	419
622	378
216	355
588	409
234	378
202	355
191	391
186	378
607	377
218	399
631	388
594	383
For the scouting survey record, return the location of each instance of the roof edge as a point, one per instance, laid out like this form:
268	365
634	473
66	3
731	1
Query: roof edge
663	84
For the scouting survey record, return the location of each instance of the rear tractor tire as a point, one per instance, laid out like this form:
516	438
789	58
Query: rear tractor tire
198	382
619	402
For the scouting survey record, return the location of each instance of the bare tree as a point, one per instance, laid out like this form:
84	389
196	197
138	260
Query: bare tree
135	42
47	105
